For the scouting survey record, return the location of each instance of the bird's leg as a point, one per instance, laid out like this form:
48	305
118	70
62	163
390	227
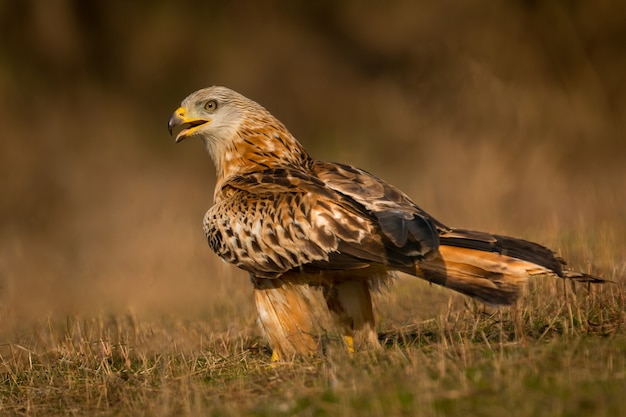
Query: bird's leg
350	304
288	314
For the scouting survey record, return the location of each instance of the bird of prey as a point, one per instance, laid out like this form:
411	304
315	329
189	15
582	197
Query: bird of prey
296	223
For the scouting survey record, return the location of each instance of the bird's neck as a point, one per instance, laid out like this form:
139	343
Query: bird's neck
253	150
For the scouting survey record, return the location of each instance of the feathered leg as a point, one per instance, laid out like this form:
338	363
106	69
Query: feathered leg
289	316
350	304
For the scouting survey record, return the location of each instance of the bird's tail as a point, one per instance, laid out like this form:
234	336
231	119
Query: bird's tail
491	268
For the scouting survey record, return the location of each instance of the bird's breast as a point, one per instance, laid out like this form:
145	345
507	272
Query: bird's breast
266	234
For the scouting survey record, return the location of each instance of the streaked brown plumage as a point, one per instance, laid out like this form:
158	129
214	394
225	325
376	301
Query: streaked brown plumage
293	222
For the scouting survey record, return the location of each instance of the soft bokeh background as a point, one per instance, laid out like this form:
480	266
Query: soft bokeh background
501	116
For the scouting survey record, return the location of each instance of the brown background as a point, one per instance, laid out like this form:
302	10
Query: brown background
501	116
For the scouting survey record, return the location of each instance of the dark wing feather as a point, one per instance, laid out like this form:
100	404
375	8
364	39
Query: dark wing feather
411	230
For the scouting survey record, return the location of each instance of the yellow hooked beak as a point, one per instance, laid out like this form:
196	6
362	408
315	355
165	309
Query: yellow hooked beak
189	125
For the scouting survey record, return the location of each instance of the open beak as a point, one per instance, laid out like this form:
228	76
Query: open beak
188	125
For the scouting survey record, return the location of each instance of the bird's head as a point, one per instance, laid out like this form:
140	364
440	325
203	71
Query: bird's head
240	135
212	114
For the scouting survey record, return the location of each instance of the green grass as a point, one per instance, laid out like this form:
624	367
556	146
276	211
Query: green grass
560	352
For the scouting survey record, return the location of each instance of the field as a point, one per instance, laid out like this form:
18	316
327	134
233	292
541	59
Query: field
560	352
508	118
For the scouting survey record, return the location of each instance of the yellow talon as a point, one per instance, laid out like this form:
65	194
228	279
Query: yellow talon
349	343
275	355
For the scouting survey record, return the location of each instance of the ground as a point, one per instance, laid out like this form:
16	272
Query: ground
561	351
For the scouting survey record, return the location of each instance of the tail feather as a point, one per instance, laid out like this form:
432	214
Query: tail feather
491	268
507	246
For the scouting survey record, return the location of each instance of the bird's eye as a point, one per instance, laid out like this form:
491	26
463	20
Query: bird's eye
210	105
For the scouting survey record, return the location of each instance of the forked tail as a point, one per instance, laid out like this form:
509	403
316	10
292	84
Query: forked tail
491	268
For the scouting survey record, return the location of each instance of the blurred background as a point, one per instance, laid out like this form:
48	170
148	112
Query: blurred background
500	116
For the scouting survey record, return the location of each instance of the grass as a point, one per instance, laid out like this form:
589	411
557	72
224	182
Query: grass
562	351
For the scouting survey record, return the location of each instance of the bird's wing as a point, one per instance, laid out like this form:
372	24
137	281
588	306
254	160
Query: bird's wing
279	220
400	219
